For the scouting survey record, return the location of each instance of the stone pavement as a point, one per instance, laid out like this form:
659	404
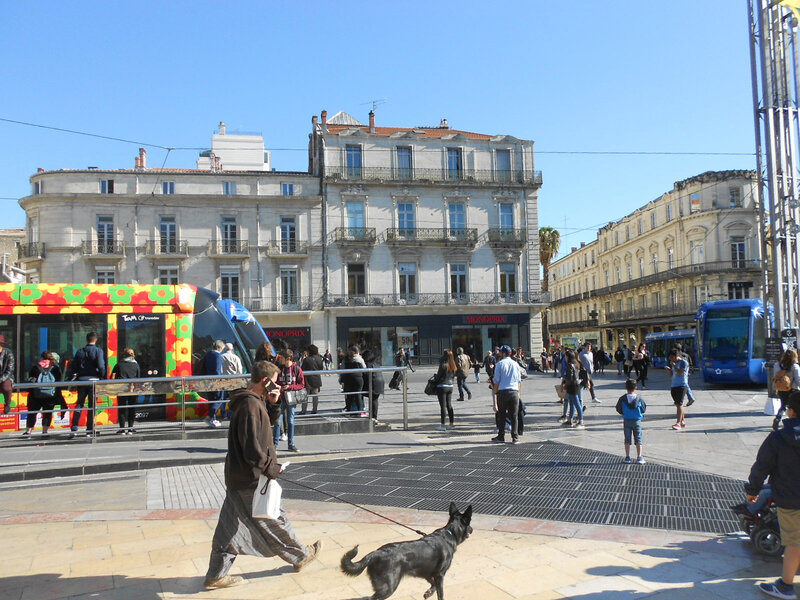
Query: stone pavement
146	534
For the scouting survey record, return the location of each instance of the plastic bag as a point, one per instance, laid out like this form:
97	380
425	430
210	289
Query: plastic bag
772	406
267	499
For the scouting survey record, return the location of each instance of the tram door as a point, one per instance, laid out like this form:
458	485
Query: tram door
144	333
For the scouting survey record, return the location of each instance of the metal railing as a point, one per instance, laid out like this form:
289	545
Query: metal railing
431	235
102	247
355	234
283	303
501	238
229	247
433	175
665	310
166	247
31	250
186	391
475	298
284	247
575	325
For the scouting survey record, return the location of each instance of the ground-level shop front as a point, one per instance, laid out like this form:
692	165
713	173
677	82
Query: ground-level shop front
427	336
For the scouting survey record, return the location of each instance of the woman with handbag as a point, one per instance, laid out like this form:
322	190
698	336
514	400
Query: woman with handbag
444	388
293	387
788	364
353	383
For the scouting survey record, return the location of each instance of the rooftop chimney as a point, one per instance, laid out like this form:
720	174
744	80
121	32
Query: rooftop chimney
222	127
574	249
217	165
583	244
443	124
313	122
324	116
141	162
40	170
372	121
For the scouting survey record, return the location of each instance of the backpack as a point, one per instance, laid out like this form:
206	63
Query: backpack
782	381
46	376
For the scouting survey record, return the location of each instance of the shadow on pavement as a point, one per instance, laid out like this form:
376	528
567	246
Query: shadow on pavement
56	585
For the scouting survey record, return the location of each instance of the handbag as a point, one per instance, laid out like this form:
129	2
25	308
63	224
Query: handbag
430	387
267	499
295	397
772	406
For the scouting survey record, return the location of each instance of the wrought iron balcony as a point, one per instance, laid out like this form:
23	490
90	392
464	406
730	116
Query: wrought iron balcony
506	238
229	248
573	325
31	251
282	303
102	248
166	248
653	312
433	175
475	299
427	236
573	298
278	248
354	235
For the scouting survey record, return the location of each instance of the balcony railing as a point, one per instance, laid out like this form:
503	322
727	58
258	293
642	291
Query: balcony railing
166	247
431	236
357	235
102	248
278	248
225	248
573	298
433	175
31	251
475	298
504	238
282	303
669	310
574	325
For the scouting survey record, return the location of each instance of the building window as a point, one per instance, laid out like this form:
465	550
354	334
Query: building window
594	282
356	280
355	217
608	279
654	217
168	235
643	302
167	187
619	305
506	216
629	268
229	188
639	226
407	273
641	266
288	235
508	279
38	187
619	274
287	189
738	290
503	165
695	203
457	214
701	294
696	253
107	186
669	213
737	252
108	277
673	298
230	235
289	287
630	304
735	195
670	258
616	238
655	263
229	285
657	300
168	275
353	157
405	219
404	164
454	164
627	234
105	235
607	309
593	257
458	281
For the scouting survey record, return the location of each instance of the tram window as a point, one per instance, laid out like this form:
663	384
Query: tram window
210	325
62	334
759	337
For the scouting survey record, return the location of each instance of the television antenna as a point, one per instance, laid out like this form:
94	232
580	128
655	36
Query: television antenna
375	103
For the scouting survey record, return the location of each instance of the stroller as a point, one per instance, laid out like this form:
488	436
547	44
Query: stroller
534	366
762	527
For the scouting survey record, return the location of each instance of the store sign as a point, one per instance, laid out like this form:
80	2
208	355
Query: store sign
484	319
285	332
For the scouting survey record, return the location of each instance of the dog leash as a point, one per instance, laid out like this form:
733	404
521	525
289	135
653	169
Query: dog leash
313	489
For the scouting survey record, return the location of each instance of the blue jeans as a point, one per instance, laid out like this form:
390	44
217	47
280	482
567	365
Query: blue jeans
462	387
575	405
216	401
632	429
288	411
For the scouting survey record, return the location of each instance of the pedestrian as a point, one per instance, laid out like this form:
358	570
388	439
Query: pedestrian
778	459
6	374
339	358
619	358
688	359
291	379
643	358
251	453
327	360
463	364
231	365
353	383
545	358
312	362
265	351
558	361
572	391
489	363
627	364
212	365
632	408
476	367
397	377
679	369
408	357
506	382
788	363
88	364
586	358
126	368
44	398
374	382
444	388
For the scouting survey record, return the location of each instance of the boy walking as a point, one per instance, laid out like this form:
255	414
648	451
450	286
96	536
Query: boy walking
632	408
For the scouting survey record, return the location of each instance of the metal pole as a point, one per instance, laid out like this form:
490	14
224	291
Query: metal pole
369	403
94	411
405	399
183	408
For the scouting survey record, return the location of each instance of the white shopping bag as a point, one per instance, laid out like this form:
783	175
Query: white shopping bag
267	499
772	406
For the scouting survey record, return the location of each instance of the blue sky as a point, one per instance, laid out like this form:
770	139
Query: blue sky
576	76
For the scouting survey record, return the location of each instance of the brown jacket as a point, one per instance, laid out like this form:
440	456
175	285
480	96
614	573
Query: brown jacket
251	450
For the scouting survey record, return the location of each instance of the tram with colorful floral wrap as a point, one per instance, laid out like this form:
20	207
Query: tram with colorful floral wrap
170	327
731	340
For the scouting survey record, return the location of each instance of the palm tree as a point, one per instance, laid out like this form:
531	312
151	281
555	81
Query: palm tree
549	243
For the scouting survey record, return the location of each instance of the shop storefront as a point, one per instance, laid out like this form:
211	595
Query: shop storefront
427	336
298	338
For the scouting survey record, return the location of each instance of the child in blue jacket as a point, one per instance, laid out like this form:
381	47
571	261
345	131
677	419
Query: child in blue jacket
632	408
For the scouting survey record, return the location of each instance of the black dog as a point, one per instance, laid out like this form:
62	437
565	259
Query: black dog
428	557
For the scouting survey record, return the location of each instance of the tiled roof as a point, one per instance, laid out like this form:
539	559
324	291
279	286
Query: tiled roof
427	132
